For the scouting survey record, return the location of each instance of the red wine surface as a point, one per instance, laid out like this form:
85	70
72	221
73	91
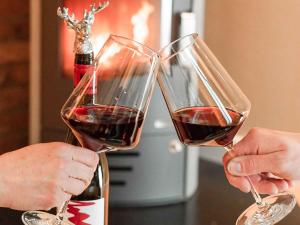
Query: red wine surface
206	126
100	128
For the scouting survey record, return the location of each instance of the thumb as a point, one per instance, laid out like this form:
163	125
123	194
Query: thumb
250	165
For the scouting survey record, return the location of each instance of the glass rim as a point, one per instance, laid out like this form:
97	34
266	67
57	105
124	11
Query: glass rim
125	41
169	46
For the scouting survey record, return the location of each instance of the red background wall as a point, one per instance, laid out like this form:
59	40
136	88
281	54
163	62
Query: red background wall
14	73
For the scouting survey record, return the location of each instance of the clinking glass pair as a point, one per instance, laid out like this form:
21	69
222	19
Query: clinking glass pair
206	105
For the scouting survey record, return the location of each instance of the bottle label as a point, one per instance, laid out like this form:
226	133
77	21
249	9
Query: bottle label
86	212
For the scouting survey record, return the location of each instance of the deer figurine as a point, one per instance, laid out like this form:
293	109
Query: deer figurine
82	27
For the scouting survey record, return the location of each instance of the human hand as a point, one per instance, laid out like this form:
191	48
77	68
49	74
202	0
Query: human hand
43	176
271	158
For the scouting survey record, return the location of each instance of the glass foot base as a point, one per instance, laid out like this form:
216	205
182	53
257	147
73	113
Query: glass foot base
41	218
275	208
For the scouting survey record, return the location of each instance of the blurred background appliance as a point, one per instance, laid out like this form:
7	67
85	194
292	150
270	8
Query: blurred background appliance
160	170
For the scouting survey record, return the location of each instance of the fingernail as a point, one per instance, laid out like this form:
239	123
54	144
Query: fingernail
234	167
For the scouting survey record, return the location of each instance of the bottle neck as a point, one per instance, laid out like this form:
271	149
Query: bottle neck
82	63
84	59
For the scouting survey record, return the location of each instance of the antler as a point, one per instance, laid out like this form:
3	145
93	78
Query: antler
102	6
64	14
95	9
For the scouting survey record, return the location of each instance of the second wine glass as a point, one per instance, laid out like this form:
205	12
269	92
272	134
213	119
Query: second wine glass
208	108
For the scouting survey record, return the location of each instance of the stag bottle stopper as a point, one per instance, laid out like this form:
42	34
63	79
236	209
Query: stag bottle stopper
82	28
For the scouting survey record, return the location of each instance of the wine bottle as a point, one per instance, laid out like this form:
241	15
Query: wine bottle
90	207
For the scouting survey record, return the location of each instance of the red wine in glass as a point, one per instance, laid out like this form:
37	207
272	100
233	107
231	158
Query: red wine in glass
206	126
101	127
192	76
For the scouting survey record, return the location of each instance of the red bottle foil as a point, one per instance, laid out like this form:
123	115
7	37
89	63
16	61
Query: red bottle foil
79	71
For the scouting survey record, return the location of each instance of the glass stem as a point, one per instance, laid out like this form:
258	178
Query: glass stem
61	211
254	192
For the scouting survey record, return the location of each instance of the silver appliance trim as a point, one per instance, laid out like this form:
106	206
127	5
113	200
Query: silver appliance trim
199	10
166	22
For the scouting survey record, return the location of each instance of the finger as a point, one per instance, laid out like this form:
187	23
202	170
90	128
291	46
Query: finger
270	175
227	157
56	199
291	183
265	187
80	171
73	186
239	182
85	156
253	164
262	184
281	184
259	141
63	197
244	185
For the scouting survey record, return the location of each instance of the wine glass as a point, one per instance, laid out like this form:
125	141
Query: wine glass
207	109
107	109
